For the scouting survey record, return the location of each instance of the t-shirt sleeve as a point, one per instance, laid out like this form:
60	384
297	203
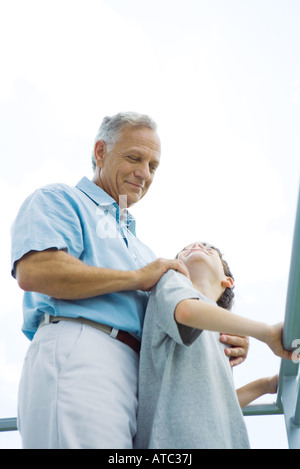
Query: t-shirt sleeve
172	288
46	220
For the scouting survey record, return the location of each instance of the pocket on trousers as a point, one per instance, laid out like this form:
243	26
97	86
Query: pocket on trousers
32	349
67	343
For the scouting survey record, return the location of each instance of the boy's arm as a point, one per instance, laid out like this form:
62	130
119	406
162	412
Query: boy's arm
206	316
255	389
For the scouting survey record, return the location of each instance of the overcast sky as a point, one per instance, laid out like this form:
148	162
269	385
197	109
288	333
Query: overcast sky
222	80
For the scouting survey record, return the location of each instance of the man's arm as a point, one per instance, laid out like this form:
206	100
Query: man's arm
207	316
237	349
255	389
55	273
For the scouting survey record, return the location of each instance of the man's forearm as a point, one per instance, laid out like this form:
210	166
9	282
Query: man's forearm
57	274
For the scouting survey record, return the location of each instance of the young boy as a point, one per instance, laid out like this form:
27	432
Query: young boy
186	392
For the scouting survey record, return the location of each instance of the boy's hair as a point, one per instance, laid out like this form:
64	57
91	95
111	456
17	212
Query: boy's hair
227	297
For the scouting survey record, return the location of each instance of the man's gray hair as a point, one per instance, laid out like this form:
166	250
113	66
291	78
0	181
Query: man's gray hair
111	127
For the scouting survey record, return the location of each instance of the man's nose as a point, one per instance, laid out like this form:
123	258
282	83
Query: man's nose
143	172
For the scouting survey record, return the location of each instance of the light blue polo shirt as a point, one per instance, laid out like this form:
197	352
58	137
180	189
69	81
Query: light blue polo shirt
84	221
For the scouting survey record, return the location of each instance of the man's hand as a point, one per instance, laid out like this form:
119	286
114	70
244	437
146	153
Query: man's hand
238	350
149	275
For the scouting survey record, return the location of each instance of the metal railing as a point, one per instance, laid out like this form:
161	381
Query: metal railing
7	425
288	394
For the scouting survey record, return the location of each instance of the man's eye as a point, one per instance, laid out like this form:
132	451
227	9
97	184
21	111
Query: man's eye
133	158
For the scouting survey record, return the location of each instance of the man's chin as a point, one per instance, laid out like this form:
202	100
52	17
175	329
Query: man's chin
133	199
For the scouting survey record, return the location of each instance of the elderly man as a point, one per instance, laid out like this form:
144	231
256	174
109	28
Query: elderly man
86	276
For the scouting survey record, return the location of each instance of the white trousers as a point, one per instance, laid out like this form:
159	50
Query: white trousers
78	390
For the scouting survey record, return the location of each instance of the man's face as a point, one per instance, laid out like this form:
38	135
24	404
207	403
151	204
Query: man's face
129	167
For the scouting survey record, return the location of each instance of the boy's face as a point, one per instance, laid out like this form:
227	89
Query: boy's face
203	256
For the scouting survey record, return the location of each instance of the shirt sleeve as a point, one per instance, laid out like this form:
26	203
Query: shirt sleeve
172	288
47	219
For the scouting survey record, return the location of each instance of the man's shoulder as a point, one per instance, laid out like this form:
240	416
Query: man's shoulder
54	190
58	187
55	194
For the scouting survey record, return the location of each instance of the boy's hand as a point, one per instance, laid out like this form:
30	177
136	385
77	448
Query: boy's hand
271	385
238	350
274	341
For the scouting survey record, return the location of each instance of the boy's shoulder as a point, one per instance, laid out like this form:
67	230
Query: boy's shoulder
173	279
172	288
174	284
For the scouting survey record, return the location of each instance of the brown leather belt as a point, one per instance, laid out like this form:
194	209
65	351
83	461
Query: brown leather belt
122	336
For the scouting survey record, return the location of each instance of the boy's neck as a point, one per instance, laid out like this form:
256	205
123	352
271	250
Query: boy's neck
206	286
205	290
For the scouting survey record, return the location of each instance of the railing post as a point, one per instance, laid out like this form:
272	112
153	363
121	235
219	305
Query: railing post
288	396
296	418
292	311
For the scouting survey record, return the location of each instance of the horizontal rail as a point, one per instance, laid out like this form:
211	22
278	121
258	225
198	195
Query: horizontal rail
8	425
262	409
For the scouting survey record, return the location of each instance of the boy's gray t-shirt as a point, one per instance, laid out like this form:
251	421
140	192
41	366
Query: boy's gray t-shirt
187	397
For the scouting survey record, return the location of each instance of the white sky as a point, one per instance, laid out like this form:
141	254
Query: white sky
222	80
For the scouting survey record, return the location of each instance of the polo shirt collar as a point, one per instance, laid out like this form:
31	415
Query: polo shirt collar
100	197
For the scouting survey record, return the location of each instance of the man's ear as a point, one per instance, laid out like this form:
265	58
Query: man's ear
99	152
227	282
